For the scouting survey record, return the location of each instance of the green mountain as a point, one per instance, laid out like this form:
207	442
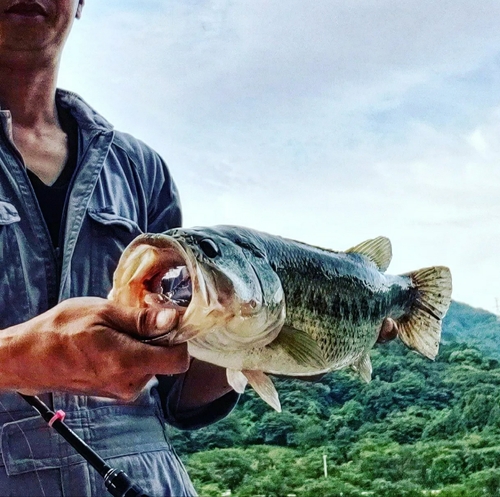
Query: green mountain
419	428
475	327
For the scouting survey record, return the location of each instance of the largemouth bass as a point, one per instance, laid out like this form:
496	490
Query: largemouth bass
260	304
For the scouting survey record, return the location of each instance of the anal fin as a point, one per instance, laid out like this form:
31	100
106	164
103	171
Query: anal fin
264	387
363	366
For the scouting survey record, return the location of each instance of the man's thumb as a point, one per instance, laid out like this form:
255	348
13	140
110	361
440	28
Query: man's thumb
147	322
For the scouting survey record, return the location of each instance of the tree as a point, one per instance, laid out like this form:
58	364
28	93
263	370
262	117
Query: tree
407	426
278	428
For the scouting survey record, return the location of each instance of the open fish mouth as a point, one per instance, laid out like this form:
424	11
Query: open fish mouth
156	271
176	287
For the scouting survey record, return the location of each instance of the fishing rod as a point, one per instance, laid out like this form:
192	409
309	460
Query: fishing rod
117	482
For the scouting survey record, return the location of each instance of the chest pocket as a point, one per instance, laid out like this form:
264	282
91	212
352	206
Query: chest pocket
110	235
14	303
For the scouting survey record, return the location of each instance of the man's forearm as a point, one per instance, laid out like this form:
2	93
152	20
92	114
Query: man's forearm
87	346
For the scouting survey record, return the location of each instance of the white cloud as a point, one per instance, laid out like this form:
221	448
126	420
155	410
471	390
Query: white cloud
329	121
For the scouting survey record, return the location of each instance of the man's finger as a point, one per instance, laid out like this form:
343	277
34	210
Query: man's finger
143	322
388	331
168	360
138	357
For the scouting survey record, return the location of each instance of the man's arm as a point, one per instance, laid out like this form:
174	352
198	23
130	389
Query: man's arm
87	346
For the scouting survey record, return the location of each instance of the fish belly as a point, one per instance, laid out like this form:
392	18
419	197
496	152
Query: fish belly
340	348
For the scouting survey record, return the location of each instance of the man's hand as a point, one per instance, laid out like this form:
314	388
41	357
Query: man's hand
86	346
388	331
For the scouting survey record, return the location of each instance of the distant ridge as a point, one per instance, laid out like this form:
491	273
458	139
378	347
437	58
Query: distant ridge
474	327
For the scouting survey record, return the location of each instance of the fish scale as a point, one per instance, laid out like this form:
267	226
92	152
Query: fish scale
358	296
262	304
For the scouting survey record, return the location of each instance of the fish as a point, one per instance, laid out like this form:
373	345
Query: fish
259	304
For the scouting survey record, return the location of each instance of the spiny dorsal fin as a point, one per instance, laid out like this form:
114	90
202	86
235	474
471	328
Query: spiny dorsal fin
378	250
263	385
363	366
299	345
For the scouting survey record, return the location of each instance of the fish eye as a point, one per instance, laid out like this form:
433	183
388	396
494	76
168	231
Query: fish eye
209	247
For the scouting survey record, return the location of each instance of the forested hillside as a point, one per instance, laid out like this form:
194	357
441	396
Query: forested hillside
417	428
466	324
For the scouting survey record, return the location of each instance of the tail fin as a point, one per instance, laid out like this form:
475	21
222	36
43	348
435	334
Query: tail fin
421	328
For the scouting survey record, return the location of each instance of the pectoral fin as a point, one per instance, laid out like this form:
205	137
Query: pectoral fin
299	345
264	387
363	366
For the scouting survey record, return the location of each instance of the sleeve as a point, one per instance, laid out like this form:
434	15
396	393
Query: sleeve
170	388
164	209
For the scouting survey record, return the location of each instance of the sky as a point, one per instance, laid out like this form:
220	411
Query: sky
329	122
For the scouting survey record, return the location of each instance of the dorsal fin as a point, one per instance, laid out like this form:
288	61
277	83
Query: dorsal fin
378	250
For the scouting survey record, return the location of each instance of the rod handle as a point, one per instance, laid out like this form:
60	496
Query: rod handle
119	484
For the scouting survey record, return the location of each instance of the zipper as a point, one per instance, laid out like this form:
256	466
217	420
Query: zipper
80	159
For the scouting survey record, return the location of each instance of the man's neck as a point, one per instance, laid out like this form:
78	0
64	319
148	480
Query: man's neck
28	91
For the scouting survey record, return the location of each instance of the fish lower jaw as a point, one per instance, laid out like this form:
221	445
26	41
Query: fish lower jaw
137	295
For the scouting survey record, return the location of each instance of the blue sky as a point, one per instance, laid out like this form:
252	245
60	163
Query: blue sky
330	121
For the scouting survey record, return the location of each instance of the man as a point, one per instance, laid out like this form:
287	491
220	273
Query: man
73	194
